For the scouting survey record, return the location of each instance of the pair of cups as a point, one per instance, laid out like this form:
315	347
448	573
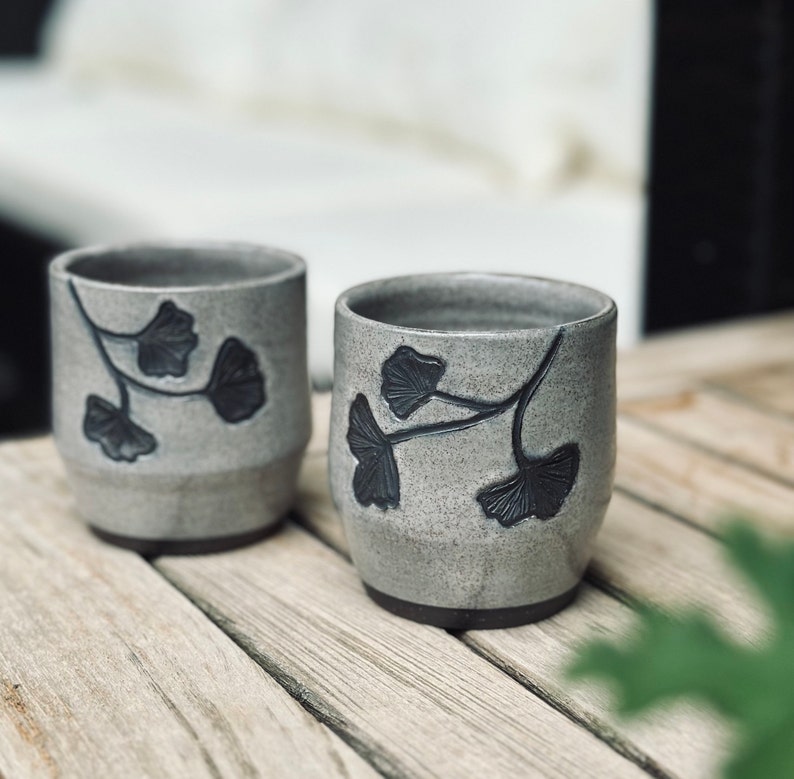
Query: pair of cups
472	433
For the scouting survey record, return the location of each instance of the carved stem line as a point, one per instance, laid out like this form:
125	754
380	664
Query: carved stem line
122	379
490	410
474	405
124	395
159	391
529	389
115	335
450	427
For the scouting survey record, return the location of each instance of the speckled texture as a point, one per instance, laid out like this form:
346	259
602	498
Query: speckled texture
206	478
437	547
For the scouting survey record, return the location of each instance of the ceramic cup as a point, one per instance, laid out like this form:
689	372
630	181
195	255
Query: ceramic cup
473	442
180	390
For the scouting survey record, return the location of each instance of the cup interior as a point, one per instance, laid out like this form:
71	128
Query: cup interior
475	302
203	265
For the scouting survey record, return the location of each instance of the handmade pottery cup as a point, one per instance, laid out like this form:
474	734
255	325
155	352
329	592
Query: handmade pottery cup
473	442
180	390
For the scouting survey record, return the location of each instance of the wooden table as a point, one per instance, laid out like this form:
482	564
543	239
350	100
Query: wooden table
271	661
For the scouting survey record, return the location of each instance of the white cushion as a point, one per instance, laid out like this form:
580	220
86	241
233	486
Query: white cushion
202	44
94	164
541	90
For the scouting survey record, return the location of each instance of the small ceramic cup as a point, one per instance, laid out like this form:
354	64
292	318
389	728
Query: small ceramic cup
180	390
473	442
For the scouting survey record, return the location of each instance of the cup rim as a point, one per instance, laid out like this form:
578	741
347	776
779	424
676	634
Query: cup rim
349	297
60	265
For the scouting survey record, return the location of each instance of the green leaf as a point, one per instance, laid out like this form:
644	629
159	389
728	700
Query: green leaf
769	755
687	656
769	567
669	658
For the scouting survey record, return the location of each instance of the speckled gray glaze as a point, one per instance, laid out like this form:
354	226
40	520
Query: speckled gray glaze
180	389
433	553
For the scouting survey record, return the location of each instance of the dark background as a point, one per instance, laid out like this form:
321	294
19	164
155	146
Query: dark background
24	351
721	185
721	206
20	22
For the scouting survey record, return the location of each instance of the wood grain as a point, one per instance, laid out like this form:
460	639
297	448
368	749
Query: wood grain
685	740
669	363
645	555
720	424
412	697
698	485
770	387
107	671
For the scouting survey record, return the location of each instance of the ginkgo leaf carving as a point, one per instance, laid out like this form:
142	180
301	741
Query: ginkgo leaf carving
165	344
119	437
409	380
376	479
537	490
236	387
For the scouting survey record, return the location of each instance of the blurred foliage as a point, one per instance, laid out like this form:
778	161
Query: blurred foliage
687	656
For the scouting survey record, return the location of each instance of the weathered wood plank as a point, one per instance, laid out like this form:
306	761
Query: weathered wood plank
769	386
685	741
723	425
644	554
107	670
675	361
412	696
695	484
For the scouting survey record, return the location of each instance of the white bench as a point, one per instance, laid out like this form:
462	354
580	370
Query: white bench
87	159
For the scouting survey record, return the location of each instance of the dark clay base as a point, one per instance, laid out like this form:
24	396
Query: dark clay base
154	547
472	619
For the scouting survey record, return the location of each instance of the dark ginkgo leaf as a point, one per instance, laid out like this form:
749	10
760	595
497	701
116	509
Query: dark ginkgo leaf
538	489
376	480
119	437
236	387
409	380
165	344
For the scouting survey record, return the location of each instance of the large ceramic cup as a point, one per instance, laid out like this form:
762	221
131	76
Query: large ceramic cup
180	390
473	442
